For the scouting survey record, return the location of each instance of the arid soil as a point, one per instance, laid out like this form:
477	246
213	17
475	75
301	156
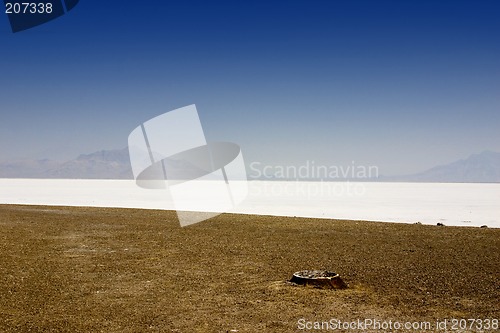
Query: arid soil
68	269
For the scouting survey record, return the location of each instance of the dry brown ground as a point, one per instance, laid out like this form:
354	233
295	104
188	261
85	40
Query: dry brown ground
122	270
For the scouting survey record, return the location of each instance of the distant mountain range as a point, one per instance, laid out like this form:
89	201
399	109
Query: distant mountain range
477	168
104	164
115	164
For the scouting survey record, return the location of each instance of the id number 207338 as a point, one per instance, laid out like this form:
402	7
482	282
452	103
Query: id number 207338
28	8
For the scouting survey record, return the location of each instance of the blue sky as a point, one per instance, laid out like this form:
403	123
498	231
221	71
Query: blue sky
403	85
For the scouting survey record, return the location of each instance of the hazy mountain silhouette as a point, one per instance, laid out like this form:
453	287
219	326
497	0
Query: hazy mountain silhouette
115	164
104	164
477	168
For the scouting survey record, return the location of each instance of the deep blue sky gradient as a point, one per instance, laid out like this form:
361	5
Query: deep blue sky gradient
403	85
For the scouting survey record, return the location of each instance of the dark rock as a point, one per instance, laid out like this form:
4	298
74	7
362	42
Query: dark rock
319	279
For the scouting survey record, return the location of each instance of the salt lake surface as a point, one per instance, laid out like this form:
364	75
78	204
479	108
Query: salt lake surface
428	203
